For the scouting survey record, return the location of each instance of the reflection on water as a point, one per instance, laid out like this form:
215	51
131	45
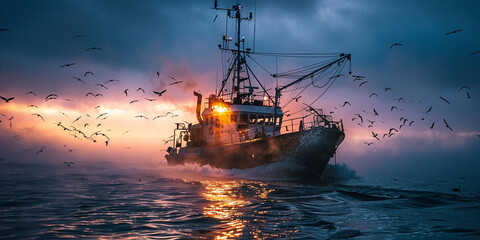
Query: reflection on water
227	203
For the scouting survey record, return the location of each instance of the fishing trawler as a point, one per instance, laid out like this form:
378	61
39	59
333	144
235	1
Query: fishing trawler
244	126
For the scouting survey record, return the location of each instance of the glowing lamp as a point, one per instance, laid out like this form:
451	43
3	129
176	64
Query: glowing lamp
265	98
220	109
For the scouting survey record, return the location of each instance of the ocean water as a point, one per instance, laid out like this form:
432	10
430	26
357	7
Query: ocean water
99	200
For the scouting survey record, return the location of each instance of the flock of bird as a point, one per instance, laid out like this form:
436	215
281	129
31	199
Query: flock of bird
363	121
87	126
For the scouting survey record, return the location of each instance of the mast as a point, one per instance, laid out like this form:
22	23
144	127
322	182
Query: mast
239	58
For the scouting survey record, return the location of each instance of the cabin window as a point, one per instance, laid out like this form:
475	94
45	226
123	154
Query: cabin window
278	120
253	119
261	119
233	118
243	118
268	120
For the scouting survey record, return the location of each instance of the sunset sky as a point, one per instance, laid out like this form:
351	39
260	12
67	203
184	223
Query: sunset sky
179	39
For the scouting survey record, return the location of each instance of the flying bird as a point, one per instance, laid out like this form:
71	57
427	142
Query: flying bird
89	93
98	95
158	74
368	143
410	124
444	99
430	109
141	116
141	89
126	92
172	78
101	115
463	87
68	163
393	107
78	118
38	115
35	106
373	94
473	53
357	77
151	99
7	99
93	48
80	80
387	89
215	18
88	72
101	85
296	99
375	112
392	129
67	65
133	101
395	44
41	150
400	99
454	31
345	103
176	82
468	95
160	93
111	80
79	36
431	127
31	93
4	29
446	125
362	83
375	135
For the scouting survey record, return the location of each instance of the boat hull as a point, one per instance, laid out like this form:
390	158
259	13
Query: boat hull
311	148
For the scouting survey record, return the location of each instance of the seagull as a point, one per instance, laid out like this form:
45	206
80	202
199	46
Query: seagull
41	150
52	95
151	99
444	99
160	93
362	83
67	65
4	29
158	74
35	106
463	87
126	90
410	124
86	73
393	107
387	88
111	80
31	93
40	116
373	94
375	135
345	103
368	143
375	111
78	118
473	53
98	95
177	82
101	85
103	114
172	78
468	95
63	114
141	89
7	99
400	99
79	80
430	109
454	31
357	77
446	124
89	93
395	44
133	101
431	127
93	48
359	116
392	129
68	163
79	36
141	116
215	18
